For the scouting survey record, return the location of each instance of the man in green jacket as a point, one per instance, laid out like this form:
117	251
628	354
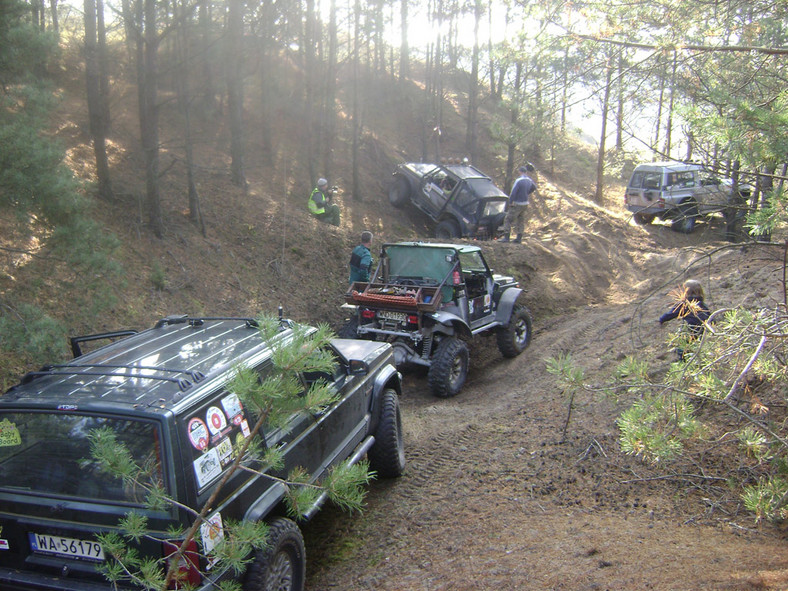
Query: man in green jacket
320	204
361	259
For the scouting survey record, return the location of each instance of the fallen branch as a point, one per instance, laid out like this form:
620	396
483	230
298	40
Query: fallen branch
747	367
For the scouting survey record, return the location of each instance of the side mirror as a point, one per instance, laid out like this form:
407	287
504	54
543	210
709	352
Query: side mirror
358	367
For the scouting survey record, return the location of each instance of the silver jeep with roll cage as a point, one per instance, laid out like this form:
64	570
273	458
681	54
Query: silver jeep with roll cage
428	300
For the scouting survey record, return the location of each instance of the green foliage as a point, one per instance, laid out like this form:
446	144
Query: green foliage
40	193
345	485
655	426
742	350
570	377
272	399
754	443
767	499
158	276
28	329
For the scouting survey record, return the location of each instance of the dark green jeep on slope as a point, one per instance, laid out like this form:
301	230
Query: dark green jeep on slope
429	300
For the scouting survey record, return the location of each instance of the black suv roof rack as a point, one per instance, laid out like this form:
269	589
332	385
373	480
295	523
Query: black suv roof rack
77	370
199	321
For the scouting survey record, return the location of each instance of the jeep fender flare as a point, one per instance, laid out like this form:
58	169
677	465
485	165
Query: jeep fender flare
388	377
267	502
458	325
506	304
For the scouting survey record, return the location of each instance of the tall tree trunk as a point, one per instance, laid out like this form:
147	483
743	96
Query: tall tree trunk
356	99
473	90
266	75
329	93
131	28
149	115
183	92
660	105
55	21
564	88
310	73
98	111
514	120
404	50
669	125
433	120
600	162
539	109
620	101
235	91
209	89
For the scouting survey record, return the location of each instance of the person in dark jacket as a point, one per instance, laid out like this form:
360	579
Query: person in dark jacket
691	308
361	259
517	210
320	204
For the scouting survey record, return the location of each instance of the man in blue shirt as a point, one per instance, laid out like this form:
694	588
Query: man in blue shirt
518	205
361	259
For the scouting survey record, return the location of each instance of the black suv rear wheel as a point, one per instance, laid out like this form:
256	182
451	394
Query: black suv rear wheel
281	565
449	368
387	455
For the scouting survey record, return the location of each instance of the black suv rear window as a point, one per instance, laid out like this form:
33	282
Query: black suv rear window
49	453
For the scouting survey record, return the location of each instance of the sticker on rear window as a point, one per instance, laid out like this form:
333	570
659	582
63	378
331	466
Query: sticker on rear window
215	419
9	434
225	450
198	434
211	532
207	467
233	409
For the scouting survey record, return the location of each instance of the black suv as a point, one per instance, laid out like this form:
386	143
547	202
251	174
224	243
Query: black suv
164	393
462	200
427	300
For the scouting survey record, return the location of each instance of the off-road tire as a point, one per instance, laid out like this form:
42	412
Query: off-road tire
349	330
643	219
387	454
281	565
447	230
449	368
515	337
685	221
399	191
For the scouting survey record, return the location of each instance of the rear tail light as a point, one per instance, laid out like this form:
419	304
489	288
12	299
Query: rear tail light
188	567
413	319
368	314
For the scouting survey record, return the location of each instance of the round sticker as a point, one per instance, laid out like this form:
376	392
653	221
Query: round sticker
198	434
215	419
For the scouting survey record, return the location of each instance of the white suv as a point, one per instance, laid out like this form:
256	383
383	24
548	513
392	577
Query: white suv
681	192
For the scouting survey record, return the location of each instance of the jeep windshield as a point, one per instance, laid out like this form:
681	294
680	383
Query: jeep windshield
416	262
485	188
49	454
